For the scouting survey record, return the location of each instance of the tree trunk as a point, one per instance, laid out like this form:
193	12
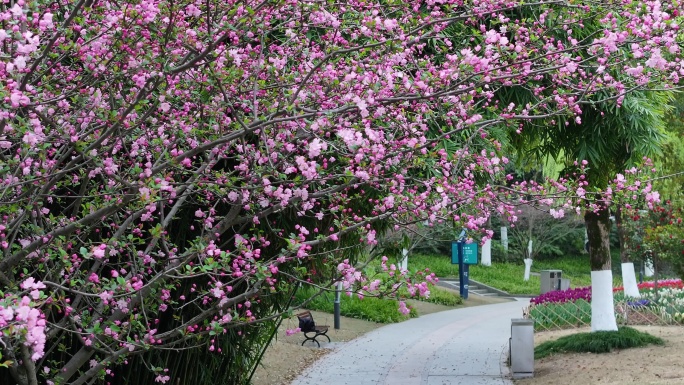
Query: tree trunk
528	267
629	281
504	241
487	253
602	307
624	246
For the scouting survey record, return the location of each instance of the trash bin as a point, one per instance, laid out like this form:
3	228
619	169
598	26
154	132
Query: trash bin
522	347
550	280
565	284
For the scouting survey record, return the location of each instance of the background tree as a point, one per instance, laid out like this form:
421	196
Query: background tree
551	237
611	136
663	236
671	163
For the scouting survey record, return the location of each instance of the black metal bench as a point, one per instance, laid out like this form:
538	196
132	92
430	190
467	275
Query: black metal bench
308	326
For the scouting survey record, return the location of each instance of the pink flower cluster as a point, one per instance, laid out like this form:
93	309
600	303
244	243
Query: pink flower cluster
574	194
21	321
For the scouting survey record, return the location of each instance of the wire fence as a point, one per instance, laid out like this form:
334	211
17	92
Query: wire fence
577	314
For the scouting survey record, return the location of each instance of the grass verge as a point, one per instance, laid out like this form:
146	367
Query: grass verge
509	276
381	310
438	264
437	295
503	276
597	342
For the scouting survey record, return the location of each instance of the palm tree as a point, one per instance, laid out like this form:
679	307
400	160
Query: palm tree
611	138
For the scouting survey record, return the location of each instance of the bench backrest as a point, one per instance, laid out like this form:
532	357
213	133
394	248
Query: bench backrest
306	322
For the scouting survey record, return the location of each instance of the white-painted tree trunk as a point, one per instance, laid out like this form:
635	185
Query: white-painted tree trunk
529	249
504	238
487	253
403	266
629	281
648	269
602	307
528	266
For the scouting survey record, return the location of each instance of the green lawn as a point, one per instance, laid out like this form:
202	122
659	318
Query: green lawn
382	310
509	276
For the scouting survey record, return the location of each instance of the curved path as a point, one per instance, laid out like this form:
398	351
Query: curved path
463	346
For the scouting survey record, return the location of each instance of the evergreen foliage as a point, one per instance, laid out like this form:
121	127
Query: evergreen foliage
597	342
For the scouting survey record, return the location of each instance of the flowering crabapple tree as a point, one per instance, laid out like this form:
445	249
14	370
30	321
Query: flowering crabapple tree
170	171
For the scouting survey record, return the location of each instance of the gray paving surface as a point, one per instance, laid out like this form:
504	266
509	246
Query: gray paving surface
464	346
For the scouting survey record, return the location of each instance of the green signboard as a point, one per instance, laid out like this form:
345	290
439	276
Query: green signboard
469	253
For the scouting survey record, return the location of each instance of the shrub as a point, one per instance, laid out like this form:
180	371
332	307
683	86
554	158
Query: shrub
597	342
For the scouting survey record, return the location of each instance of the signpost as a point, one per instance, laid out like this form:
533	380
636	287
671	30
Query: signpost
465	254
336	305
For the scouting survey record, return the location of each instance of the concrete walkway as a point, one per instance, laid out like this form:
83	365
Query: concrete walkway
463	346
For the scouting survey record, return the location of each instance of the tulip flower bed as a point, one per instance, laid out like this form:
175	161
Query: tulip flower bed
669	300
650	285
562	296
572	308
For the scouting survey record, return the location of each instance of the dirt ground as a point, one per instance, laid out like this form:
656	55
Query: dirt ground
285	358
648	365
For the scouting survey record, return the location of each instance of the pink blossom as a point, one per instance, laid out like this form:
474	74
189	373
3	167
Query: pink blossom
6	314
94	278
99	251
106	296
390	24
370	237
557	213
30	138
316	146
217	292
31	283
651	198
403	309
